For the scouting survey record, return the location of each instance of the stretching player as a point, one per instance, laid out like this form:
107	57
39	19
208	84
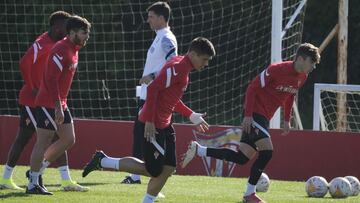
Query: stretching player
52	113
32	67
163	98
276	86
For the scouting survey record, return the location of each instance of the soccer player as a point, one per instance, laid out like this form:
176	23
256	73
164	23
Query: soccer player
276	86
163	48
52	113
32	67
163	98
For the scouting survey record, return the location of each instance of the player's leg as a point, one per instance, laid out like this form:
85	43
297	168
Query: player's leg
126	164
246	152
25	131
161	167
137	146
44	137
264	145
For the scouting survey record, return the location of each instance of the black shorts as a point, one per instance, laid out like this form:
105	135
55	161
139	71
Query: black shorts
166	139
45	118
27	118
259	130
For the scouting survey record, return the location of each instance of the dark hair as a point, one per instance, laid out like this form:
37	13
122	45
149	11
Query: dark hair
308	50
57	16
202	46
76	22
160	9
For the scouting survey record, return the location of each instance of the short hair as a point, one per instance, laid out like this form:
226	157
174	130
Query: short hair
308	50
58	16
76	22
202	46
160	9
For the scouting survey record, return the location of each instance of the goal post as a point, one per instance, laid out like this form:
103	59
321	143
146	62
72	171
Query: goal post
325	113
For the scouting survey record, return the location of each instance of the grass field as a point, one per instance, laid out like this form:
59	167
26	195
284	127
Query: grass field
105	187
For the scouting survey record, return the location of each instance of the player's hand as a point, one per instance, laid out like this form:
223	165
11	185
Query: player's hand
146	79
150	131
59	113
34	91
247	123
286	129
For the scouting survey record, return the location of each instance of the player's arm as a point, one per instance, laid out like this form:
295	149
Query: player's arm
56	64
260	81
26	64
162	81
195	118
287	114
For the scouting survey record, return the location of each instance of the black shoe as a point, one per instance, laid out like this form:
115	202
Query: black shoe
94	163
129	180
40	179
37	190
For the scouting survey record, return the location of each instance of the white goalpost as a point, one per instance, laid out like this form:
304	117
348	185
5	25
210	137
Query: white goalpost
328	109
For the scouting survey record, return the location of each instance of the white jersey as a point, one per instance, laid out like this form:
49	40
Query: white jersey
163	48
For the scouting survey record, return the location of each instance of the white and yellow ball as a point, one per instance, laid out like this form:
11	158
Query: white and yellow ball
263	183
316	186
339	187
355	185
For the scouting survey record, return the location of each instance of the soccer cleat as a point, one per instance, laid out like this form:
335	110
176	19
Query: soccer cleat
41	184
9	184
253	198
37	190
129	180
190	153
94	163
70	185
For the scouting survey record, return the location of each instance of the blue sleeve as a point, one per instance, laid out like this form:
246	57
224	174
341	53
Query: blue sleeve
169	46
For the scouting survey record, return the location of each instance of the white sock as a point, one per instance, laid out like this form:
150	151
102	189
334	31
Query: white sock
44	165
149	198
201	150
250	189
110	162
64	172
135	177
8	171
34	179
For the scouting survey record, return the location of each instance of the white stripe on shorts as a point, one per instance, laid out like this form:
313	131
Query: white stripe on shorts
261	128
49	117
31	117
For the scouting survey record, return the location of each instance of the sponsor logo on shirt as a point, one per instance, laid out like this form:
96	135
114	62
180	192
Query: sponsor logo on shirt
288	89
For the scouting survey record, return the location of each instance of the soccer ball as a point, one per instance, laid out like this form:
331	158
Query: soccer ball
263	183
355	185
316	186
339	187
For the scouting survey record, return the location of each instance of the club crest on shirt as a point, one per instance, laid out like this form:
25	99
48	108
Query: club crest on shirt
288	89
27	121
73	66
46	122
156	154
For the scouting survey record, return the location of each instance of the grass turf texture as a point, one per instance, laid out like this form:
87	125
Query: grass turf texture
105	187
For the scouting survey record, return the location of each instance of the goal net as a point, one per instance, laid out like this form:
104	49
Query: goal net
112	62
337	107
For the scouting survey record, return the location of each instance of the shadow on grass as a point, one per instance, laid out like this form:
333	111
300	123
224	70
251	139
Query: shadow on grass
13	194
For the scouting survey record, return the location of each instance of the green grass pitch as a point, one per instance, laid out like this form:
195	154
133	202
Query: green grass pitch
105	187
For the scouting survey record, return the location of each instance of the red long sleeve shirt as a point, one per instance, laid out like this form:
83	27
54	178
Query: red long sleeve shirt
32	68
276	86
165	92
59	72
